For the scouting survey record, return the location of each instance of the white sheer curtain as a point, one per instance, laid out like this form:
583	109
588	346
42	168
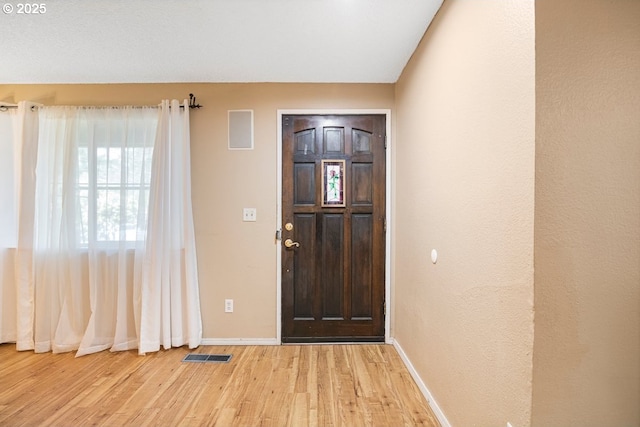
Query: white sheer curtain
8	216
18	150
90	274
170	302
92	187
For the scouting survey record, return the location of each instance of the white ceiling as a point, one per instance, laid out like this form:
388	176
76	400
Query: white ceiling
118	41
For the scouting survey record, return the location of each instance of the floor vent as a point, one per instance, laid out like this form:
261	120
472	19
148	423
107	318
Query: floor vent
207	358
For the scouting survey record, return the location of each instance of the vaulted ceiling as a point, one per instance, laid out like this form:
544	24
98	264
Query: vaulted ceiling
144	41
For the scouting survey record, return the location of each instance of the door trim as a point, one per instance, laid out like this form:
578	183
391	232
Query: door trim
389	212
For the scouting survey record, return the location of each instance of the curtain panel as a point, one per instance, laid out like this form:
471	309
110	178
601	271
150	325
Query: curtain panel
18	150
93	255
170	280
8	217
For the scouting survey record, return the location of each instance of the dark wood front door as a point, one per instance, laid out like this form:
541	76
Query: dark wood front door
333	220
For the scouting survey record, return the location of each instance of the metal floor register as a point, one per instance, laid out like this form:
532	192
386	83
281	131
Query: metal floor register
207	358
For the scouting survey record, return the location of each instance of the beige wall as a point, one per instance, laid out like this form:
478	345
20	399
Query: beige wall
235	259
587	241
464	161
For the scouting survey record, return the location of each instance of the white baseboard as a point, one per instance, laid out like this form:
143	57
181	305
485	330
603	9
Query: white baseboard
239	341
421	385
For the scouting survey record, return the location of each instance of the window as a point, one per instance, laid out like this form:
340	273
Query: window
98	161
113	186
114	173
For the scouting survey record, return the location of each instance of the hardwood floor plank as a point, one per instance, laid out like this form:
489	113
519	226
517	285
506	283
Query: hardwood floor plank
303	385
300	410
325	389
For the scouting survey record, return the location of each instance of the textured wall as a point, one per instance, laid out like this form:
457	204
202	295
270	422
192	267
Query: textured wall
236	259
587	222
464	185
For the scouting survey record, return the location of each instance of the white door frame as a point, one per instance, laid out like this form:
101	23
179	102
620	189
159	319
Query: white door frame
387	270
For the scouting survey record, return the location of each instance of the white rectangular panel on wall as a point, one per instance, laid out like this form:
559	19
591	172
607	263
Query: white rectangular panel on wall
240	129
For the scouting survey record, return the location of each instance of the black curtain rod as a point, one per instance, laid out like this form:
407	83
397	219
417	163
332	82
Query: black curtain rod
192	105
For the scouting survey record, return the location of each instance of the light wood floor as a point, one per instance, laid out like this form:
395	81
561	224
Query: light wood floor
315	385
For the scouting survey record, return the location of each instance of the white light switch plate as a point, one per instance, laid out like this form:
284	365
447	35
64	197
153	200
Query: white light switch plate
249	214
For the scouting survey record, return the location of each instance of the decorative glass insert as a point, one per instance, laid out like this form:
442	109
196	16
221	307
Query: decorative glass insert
333	183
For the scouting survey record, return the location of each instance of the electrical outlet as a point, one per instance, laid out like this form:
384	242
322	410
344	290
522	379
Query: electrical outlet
228	306
249	214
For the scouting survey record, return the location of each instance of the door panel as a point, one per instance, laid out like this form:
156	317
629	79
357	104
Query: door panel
331	268
304	181
362	267
304	266
333	275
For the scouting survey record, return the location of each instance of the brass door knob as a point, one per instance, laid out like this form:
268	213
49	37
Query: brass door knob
290	243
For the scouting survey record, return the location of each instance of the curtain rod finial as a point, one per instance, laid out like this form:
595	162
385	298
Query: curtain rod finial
192	102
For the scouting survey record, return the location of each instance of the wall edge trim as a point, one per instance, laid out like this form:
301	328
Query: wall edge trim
421	385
